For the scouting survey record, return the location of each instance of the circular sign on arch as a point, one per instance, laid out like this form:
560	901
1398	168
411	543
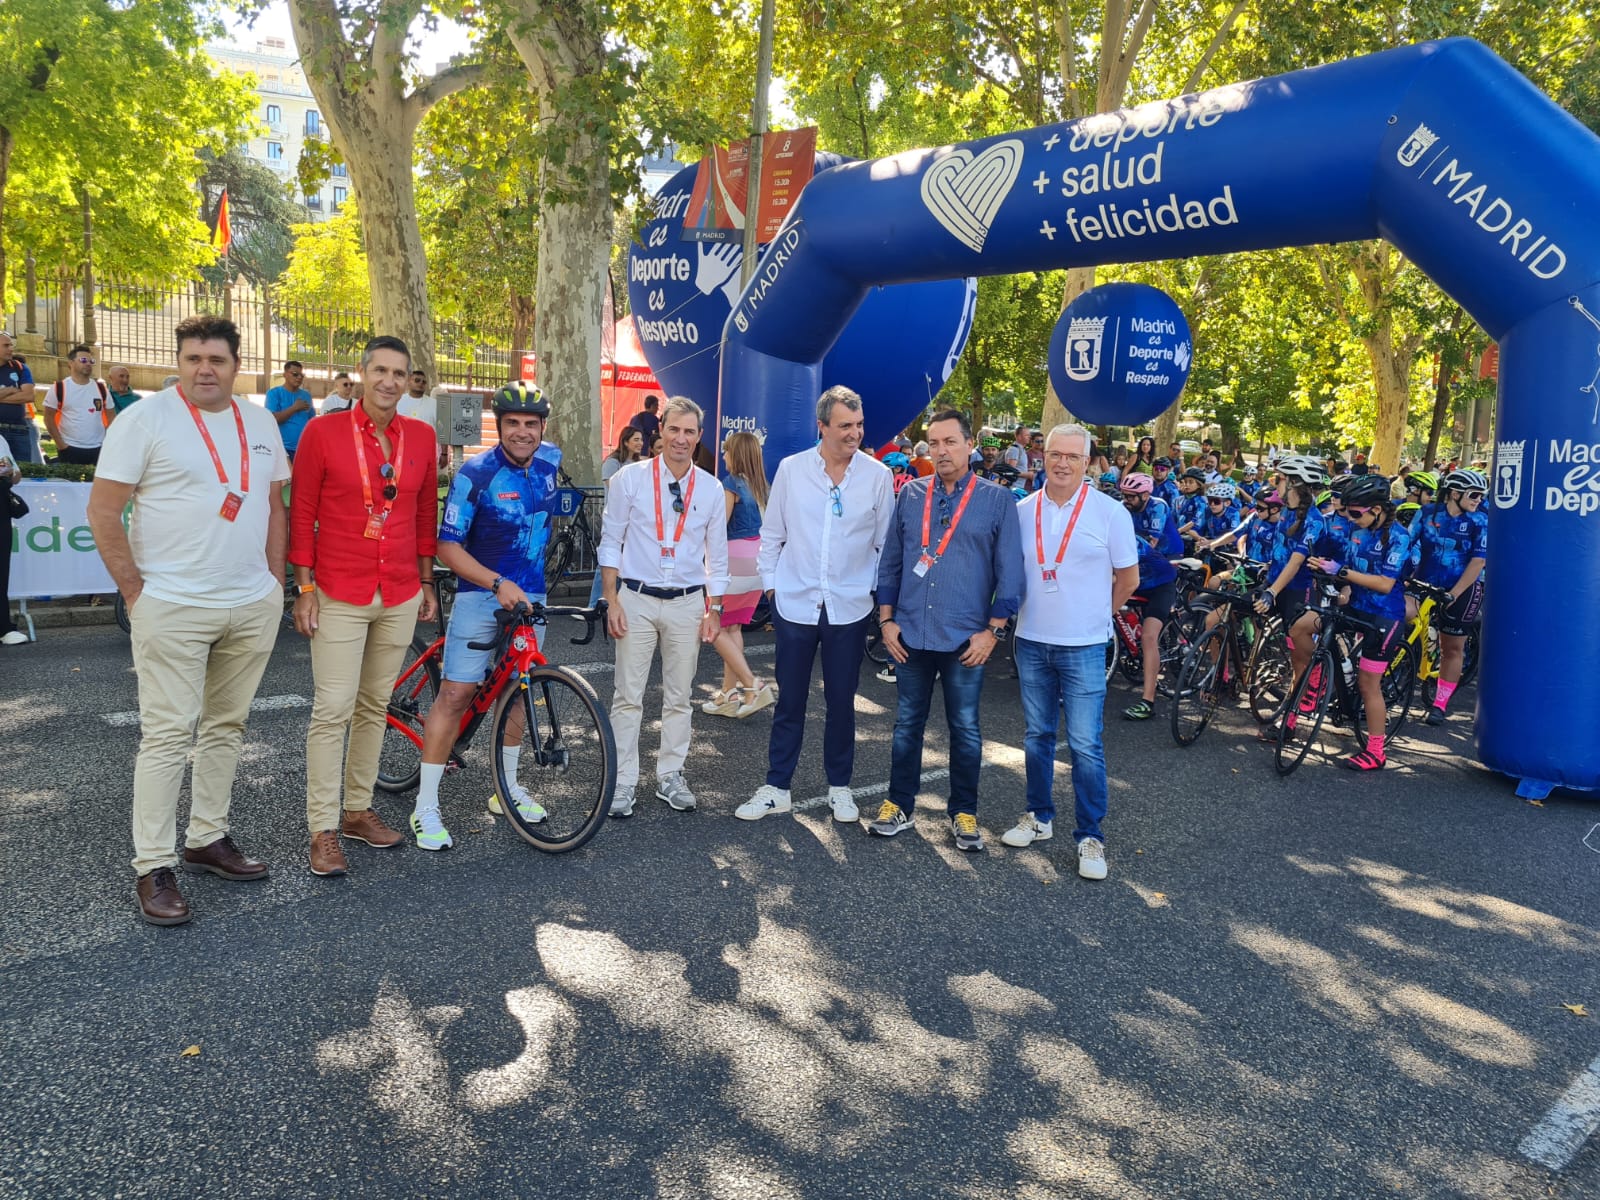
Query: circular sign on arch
1120	354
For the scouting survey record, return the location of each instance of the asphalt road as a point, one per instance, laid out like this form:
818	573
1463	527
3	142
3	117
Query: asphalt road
1338	986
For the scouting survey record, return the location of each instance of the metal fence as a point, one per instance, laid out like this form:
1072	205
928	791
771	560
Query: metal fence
132	322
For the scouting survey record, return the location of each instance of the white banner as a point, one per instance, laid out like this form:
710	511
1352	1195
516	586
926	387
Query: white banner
52	550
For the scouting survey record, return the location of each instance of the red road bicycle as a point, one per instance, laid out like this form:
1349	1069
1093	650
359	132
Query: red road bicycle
568	757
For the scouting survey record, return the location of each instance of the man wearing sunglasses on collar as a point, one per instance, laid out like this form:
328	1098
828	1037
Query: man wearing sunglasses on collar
363	518
1450	551
664	569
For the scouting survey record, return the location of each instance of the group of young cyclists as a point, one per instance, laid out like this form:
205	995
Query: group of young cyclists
1307	530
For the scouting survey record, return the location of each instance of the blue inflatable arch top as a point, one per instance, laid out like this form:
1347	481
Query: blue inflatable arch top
1441	148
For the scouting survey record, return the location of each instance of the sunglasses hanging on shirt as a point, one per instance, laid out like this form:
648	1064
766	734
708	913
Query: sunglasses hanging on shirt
390	491
676	489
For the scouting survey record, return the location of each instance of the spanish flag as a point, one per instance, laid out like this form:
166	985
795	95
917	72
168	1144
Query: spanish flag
222	232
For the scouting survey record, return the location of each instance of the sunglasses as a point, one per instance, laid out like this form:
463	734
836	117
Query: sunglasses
1358	511
838	503
1216	501
390	491
1472	495
676	489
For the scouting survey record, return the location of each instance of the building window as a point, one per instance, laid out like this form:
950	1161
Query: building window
274	115
314	201
313	123
274	151
338	198
339	171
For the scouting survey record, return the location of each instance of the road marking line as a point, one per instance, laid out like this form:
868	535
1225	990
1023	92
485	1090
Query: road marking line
872	789
1555	1140
259	704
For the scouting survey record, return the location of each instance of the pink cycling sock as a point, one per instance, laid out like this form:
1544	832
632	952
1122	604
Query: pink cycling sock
1446	690
1375	745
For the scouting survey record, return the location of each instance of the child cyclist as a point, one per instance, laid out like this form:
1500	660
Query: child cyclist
1377	553
1451	546
1289	575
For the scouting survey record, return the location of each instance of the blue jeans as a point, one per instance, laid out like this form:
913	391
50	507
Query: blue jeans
962	687
843	647
1070	679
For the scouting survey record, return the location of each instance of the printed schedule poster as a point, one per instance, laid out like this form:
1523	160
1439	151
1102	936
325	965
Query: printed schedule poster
721	186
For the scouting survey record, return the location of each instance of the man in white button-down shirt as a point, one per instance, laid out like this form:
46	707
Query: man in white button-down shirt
821	536
664	568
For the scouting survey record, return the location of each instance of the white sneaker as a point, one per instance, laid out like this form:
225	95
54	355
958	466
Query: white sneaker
843	803
767	800
1092	858
15	638
1027	831
622	800
429	830
529	809
887	673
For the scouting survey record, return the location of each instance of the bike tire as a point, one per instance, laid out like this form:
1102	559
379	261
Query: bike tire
1199	686
876	650
1472	656
1291	749
446	586
1270	671
1173	643
1131	653
123	622
568	761
1114	656
557	561
400	758
1399	685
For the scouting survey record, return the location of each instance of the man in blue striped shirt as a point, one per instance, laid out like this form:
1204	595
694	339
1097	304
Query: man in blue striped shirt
949	580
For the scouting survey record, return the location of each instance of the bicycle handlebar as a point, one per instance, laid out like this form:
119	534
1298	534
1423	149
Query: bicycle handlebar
535	613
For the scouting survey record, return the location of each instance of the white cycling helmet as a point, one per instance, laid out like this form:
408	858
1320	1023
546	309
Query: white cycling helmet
1466	481
1303	468
1220	491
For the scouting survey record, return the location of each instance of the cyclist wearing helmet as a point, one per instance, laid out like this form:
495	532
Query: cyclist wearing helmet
1336	527
1166	488
496	523
1451	548
1191	505
1251	486
1221	514
1378	550
1421	487
1157	532
1290	577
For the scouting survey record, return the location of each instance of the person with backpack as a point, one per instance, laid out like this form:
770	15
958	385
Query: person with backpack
77	410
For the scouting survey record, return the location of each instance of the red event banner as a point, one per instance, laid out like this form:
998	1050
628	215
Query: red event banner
721	189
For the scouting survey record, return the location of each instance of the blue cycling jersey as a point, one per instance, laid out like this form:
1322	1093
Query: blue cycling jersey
1166	489
1190	508
1261	538
500	514
1379	552
1443	545
1155	521
1215	522
1294	541
1334	540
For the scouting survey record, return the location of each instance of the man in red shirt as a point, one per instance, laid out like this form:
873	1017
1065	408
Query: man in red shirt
363	516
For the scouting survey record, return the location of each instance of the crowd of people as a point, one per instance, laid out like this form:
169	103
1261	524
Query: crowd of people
948	562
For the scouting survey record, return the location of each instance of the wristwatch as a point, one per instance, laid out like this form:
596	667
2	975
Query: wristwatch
715	608
305	589
998	632
495	586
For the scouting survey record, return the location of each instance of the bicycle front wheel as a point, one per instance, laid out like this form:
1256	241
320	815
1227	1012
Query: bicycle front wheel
1194	700
566	760
123	623
1399	682
1270	671
1308	705
400	756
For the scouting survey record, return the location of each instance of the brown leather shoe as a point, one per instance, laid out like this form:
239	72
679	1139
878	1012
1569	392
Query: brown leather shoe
365	825
327	856
160	901
222	857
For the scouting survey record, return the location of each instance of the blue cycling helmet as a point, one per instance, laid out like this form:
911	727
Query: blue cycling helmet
896	461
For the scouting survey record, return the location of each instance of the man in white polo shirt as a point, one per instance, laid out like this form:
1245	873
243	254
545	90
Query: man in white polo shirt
1081	563
664	568
201	568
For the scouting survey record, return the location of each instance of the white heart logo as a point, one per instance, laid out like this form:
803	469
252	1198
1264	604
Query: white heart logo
964	193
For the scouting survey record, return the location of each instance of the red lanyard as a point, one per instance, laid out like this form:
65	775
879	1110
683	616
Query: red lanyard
216	459
397	432
688	499
1072	521
927	516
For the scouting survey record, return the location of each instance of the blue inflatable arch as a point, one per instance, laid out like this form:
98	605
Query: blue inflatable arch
1441	148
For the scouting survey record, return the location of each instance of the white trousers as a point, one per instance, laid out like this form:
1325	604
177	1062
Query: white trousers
674	625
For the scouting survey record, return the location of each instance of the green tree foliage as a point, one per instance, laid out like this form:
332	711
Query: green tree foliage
109	101
323	292
260	211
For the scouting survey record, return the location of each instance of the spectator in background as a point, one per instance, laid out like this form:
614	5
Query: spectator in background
1017	457
1144	456
704	459
1359	467
1036	459
10	635
418	403
77	410
168	381
1175	456
16	394
655	445
648	423
630	448
920	462
120	381
343	394
290	405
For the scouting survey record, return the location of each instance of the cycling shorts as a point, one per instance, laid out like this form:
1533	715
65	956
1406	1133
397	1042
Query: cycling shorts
1381	641
1461	617
1290	604
472	620
1158	601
